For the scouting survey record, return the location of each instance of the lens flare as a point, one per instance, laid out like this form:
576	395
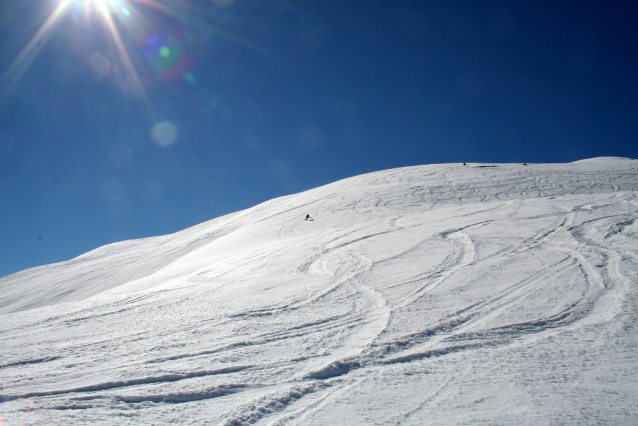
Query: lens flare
144	43
189	77
164	133
99	65
133	78
15	71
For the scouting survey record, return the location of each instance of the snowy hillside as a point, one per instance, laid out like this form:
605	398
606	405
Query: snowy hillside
441	294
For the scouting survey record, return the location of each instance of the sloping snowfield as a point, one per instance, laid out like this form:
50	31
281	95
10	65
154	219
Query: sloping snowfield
441	294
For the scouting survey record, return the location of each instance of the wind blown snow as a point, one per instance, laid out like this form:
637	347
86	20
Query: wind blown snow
440	294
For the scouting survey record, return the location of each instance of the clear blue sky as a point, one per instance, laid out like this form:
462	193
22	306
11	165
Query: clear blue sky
124	119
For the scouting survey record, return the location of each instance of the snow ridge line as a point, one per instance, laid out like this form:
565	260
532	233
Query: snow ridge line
170	398
31	361
180	397
334	369
132	382
374	354
270	404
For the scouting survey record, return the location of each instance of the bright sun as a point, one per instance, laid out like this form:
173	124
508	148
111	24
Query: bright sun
140	38
104	10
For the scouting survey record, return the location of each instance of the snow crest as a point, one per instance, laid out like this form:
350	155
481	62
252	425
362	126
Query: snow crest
442	294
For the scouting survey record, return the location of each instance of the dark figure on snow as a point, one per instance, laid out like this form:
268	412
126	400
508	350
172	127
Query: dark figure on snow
307	217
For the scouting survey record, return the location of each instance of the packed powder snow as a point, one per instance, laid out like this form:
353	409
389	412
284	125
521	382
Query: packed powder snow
440	294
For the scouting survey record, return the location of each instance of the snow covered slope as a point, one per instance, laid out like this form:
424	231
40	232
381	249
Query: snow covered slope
441	294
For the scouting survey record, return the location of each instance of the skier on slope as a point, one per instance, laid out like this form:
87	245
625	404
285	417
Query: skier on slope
307	217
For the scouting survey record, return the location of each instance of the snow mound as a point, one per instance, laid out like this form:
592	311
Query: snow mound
441	294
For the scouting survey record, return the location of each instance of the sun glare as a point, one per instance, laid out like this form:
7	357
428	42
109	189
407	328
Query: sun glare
113	14
11	77
147	42
124	57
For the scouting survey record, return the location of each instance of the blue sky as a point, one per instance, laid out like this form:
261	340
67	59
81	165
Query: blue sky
124	119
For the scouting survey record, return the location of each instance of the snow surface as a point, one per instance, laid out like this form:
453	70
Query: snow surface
441	294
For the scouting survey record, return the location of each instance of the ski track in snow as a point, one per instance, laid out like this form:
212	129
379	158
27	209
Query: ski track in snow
441	294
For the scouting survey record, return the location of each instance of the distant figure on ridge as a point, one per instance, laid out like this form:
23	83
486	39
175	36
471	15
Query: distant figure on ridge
307	217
